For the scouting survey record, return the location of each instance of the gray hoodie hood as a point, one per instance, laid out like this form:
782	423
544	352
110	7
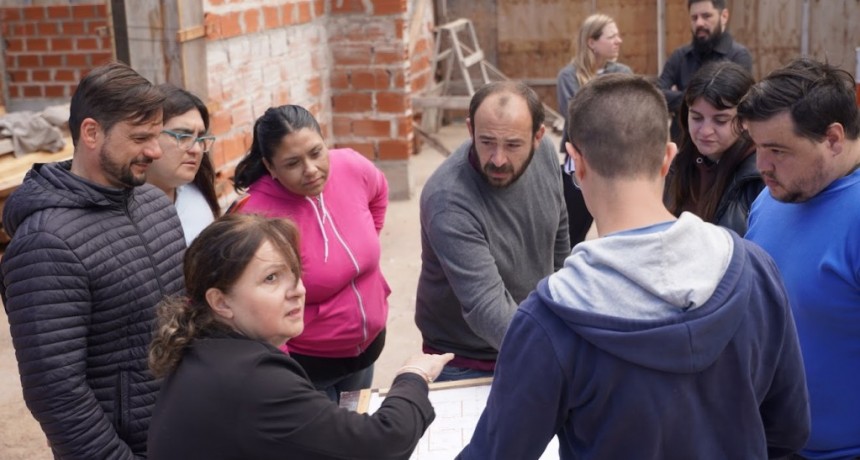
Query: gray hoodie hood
668	300
653	275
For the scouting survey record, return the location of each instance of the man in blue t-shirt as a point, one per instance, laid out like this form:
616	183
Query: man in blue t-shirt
805	124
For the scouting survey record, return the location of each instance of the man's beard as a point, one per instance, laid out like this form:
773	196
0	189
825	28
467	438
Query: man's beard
122	173
706	44
507	168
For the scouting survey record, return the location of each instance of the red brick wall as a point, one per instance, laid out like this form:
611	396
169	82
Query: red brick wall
371	107
263	54
347	61
49	48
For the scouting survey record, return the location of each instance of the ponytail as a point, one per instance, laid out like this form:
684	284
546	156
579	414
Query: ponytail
179	322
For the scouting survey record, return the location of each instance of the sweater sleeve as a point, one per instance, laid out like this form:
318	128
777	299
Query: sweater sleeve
526	407
291	418
47	299
378	198
743	58
669	77
459	242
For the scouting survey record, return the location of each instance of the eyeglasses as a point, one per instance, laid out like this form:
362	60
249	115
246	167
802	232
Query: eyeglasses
186	141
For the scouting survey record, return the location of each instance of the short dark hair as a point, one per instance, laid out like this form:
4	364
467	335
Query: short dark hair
113	93
269	130
815	94
718	4
619	123
178	101
513	87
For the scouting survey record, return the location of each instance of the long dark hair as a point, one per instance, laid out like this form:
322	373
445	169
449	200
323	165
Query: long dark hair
177	102
722	84
269	130
216	259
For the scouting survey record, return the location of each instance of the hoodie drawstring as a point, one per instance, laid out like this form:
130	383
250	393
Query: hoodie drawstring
321	221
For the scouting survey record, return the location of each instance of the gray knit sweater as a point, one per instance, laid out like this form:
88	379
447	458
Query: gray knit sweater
484	249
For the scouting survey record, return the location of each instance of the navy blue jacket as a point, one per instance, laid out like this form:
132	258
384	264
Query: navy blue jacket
724	380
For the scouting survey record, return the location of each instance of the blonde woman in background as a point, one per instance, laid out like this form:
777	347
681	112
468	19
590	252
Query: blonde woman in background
597	50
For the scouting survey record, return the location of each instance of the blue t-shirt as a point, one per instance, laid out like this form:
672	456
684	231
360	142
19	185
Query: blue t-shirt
816	245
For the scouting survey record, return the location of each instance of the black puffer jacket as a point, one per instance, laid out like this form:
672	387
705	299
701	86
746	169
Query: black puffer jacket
80	281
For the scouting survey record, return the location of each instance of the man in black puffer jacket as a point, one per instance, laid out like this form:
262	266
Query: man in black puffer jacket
93	251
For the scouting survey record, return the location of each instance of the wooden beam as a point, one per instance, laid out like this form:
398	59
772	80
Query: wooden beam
441	102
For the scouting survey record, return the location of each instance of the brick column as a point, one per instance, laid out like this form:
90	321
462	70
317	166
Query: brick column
371	108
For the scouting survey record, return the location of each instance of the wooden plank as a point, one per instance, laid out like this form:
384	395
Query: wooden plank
834	32
441	102
192	54
144	27
743	25
779	30
13	170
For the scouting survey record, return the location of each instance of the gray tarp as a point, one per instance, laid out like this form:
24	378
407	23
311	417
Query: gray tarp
31	132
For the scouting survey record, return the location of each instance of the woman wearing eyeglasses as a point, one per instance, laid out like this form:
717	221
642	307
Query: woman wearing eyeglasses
184	171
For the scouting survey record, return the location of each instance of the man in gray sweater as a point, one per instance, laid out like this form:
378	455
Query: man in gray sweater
493	223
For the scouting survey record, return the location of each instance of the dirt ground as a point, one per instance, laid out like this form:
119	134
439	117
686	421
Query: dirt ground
20	435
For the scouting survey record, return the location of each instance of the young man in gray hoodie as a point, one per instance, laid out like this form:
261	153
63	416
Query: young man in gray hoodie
664	338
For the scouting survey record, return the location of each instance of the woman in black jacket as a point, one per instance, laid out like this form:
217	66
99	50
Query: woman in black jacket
714	175
230	393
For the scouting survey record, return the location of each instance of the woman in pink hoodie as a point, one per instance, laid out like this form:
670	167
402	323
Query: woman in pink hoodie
337	198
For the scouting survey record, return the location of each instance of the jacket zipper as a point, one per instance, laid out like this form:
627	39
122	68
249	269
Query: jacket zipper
358	297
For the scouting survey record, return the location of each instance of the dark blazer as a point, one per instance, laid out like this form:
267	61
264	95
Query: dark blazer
236	398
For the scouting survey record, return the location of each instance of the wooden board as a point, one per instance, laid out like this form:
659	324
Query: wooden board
13	170
779	32
834	32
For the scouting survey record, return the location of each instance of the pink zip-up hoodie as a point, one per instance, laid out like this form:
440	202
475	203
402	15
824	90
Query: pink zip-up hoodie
347	296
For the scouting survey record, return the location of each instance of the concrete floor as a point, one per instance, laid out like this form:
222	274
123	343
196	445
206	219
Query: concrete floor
20	435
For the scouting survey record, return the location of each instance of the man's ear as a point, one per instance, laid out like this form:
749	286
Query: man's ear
218	303
724	15
539	134
835	138
668	157
91	133
469	127
579	167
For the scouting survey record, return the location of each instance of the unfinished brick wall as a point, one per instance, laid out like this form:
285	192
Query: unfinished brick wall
370	92
262	54
347	61
49	48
